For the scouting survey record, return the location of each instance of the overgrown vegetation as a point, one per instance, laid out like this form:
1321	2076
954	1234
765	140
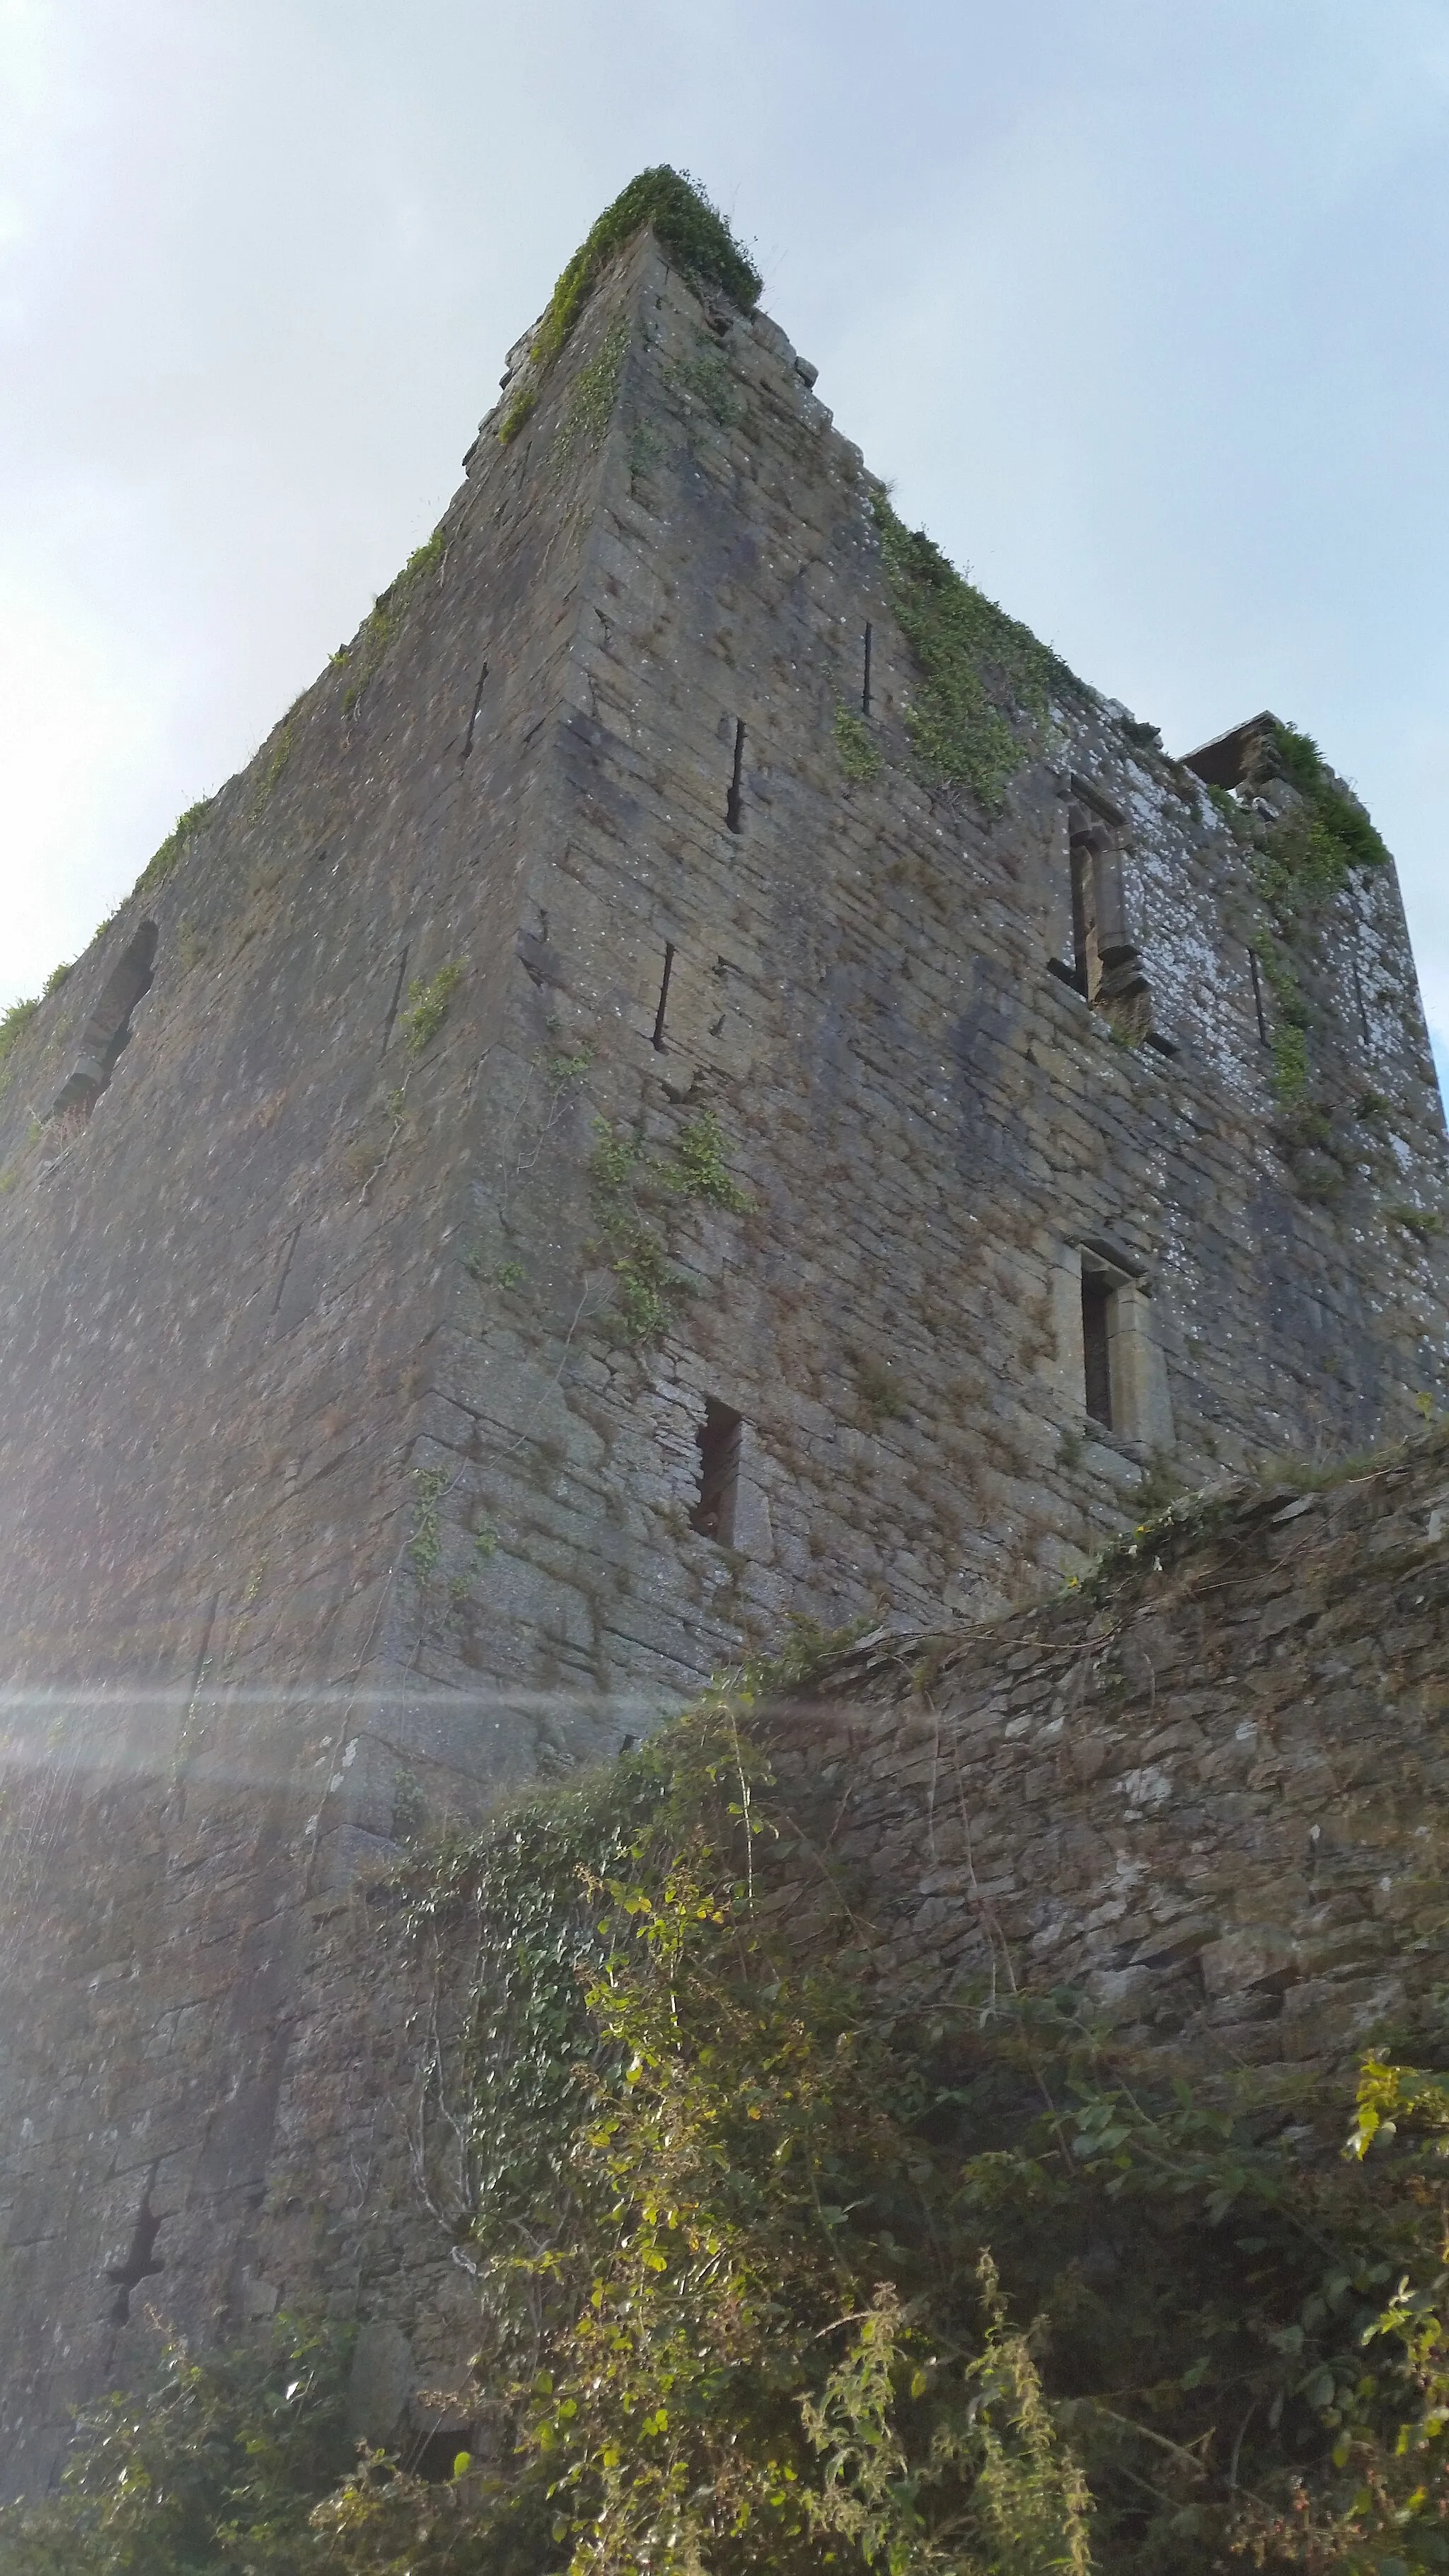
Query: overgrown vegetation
427	1005
773	2279
625	1180
984	678
213	2471
686	225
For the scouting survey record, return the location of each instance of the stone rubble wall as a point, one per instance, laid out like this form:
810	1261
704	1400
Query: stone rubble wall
1209	1796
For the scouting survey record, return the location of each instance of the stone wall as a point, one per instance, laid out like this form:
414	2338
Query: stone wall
338	1493
1207	1794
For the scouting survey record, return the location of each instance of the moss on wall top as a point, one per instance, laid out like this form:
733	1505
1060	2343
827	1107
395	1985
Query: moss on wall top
684	223
979	668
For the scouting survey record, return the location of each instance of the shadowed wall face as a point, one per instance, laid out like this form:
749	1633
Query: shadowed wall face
591	1167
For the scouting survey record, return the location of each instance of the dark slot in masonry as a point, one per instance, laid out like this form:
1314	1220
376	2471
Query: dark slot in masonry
732	801
663	996
392	1008
473	715
1263	1037
1096	1348
865	680
719	1437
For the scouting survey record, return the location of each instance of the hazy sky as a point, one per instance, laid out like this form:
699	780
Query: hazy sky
1142	303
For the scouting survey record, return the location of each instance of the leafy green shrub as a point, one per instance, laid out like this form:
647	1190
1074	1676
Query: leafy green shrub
212	2471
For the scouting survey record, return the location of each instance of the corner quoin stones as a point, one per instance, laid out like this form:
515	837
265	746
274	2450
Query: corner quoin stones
551	1053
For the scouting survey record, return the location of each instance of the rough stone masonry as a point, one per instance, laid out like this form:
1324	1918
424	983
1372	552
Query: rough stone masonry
578	1151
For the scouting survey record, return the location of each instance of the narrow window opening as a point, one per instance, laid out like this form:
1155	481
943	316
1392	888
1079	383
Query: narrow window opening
663	996
1097	1345
1087	954
473	716
719	1437
141	2259
732	801
108	1030
282	1276
392	1008
1106	967
1254	971
434	2456
865	681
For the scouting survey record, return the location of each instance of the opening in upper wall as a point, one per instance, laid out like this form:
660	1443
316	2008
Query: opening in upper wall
720	1437
108	1030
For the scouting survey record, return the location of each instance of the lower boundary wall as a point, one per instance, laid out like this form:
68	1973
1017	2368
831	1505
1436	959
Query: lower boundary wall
1207	1792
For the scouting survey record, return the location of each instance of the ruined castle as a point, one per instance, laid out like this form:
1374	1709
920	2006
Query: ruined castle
699	1075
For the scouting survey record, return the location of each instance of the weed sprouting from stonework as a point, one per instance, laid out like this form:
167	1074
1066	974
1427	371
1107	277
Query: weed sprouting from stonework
704	377
386	615
14	1022
183	831
986	683
649	1286
427	1005
879	1392
699	1169
1425	1224
591	403
425	1544
281	754
859	751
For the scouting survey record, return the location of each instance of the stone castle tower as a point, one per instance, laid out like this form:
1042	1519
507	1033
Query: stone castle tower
698	1076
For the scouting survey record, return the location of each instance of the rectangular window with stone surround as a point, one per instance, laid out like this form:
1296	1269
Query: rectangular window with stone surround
1122	1378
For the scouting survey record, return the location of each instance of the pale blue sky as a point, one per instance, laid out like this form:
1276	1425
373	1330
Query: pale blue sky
1142	303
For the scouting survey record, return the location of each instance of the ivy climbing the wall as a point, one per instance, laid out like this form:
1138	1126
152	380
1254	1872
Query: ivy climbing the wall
985	682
